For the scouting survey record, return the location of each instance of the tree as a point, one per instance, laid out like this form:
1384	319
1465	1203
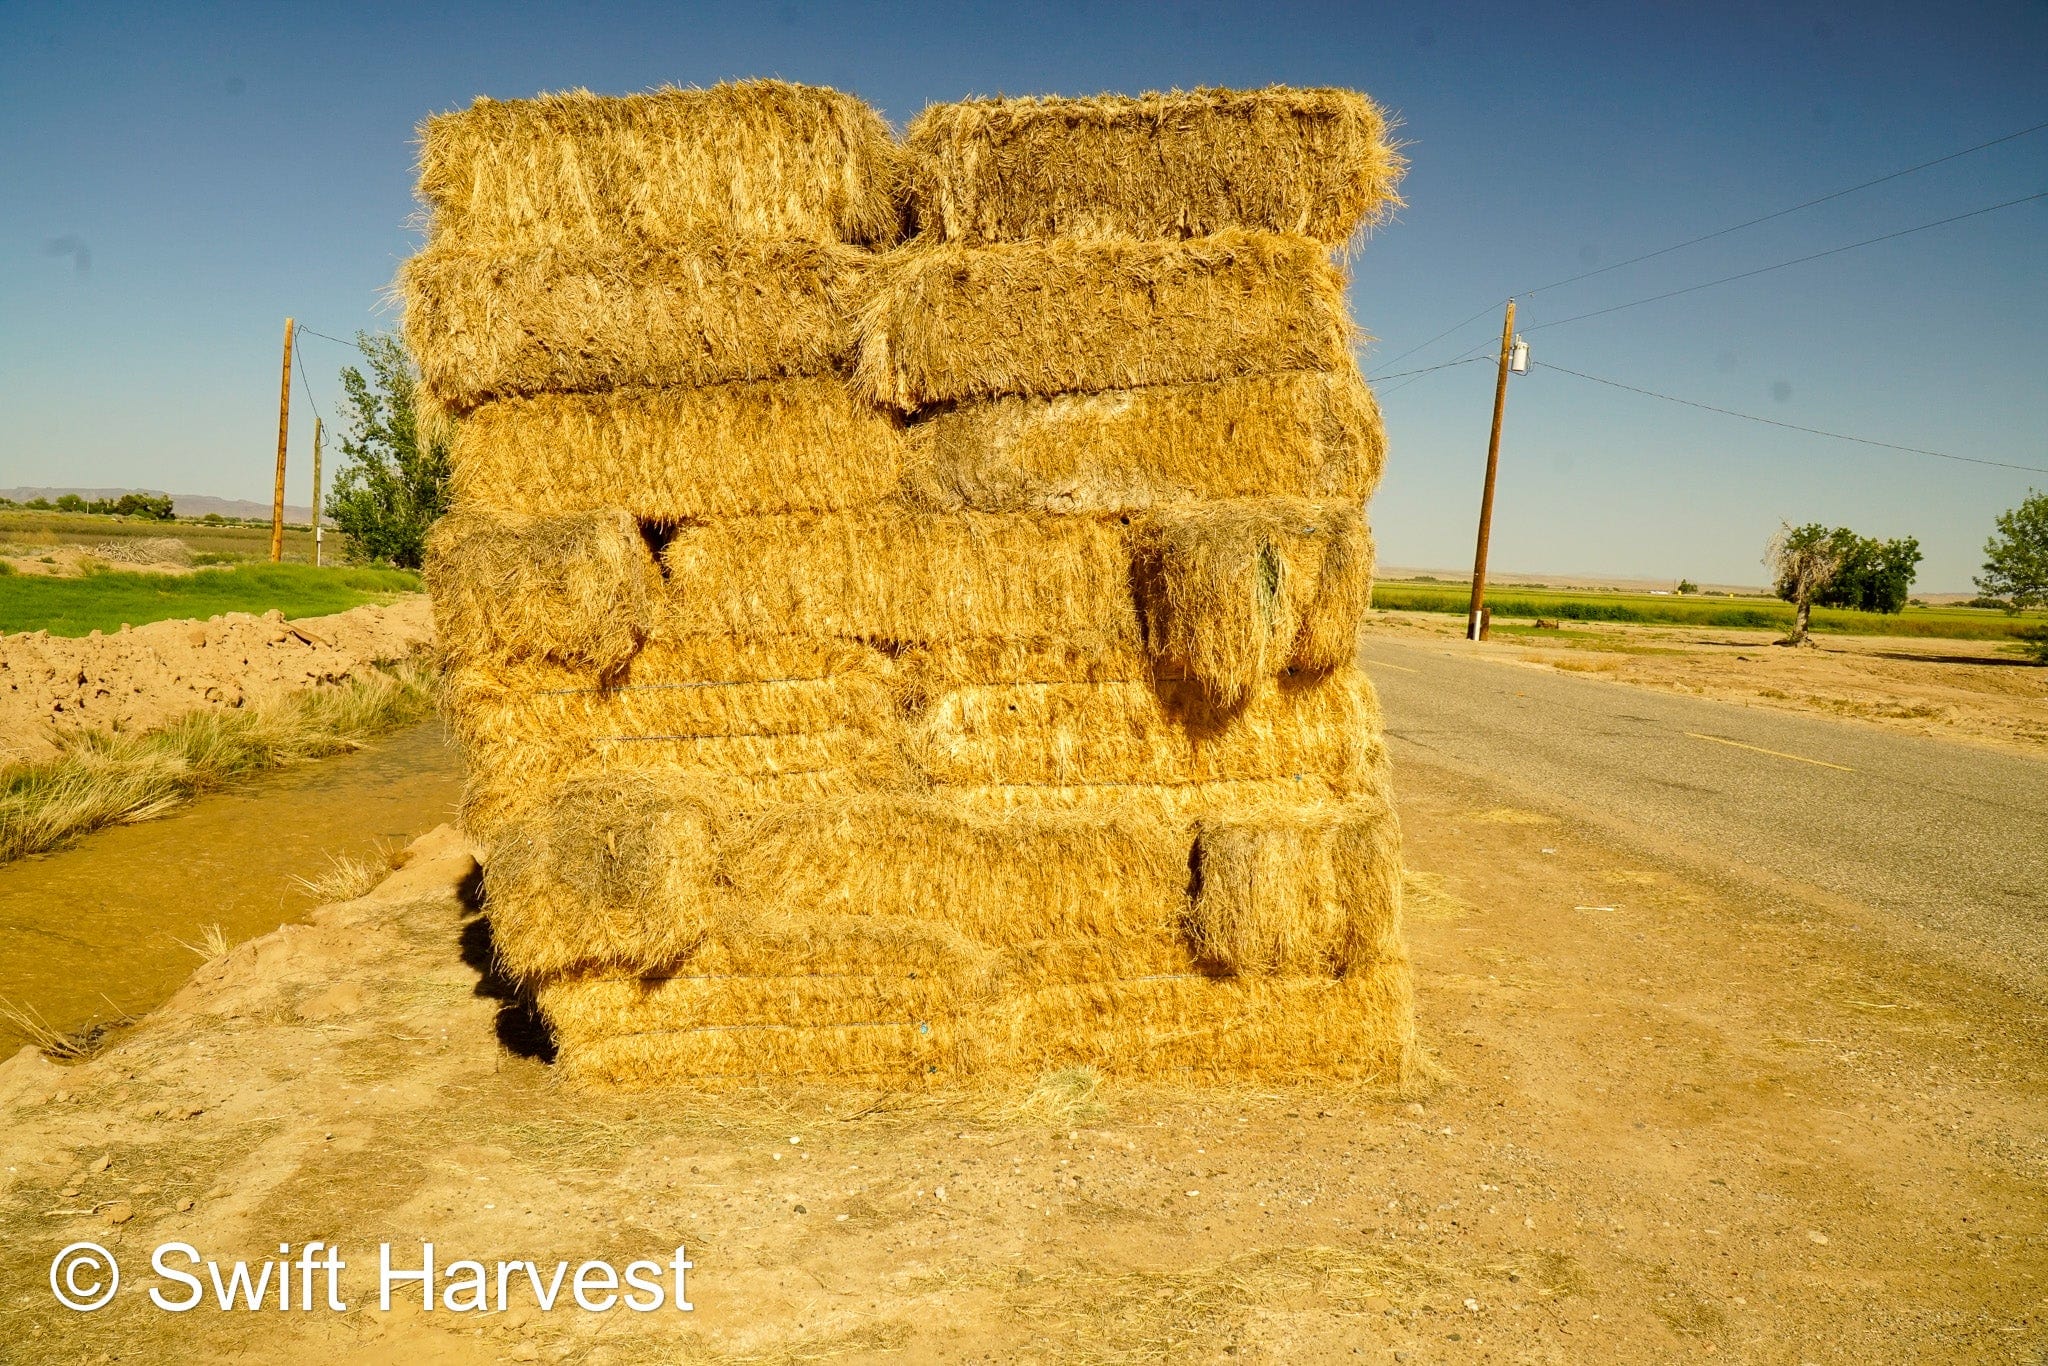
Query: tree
394	483
70	502
1875	576
1687	586
2016	564
2016	558
1803	561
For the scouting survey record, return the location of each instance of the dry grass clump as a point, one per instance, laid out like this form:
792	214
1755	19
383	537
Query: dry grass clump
492	324
1300	433
1233	591
1173	165
764	158
1059	316
102	778
1304	891
669	455
578	587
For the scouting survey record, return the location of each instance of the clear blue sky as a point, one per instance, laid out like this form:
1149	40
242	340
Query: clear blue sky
179	177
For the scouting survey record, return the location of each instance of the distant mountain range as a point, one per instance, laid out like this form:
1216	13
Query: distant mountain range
185	504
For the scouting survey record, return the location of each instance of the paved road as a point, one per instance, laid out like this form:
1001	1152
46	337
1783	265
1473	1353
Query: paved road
1947	836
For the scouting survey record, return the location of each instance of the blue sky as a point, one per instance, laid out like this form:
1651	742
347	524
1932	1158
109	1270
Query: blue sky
181	177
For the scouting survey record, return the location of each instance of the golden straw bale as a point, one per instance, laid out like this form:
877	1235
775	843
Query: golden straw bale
670	455
1303	433
1068	734
1184	802
891	575
1005	882
1060	316
1307	891
885	1055
509	778
487	325
1180	164
579	588
699	688
606	873
763	158
1235	590
1255	1028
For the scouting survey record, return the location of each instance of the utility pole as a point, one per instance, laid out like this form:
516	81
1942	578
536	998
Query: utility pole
1475	620
284	426
316	490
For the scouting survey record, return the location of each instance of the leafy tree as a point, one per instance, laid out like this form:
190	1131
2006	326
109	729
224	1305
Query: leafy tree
70	502
1803	561
2016	564
394	483
1687	586
1875	576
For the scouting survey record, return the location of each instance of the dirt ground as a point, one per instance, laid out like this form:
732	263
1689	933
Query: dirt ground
138	678
1677	1120
1957	689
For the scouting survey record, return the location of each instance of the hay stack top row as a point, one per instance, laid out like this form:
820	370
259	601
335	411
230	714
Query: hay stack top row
770	160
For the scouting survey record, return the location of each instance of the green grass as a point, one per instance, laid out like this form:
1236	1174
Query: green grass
1951	623
104	779
107	601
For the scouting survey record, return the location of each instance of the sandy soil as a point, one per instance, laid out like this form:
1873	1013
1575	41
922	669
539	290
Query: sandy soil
139	555
139	678
1677	1120
1956	689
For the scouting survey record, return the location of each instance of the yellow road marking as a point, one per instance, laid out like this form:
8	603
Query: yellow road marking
1382	664
1775	754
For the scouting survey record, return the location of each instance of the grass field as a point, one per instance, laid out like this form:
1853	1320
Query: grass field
1951	623
106	601
22	530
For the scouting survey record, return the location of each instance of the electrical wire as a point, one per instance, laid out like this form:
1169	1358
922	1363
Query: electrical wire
1793	426
1396	360
1795	261
324	337
1750	223
304	382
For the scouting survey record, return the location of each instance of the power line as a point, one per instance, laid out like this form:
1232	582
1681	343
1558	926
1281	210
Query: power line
1823	199
324	337
1795	261
1462	360
1396	360
304	382
1720	232
1793	426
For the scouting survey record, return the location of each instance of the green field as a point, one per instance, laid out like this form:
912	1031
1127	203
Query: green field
1951	623
22	531
107	601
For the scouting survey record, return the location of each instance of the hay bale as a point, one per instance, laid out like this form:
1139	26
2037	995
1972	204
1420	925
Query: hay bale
494	324
1182	802
1060	316
580	588
509	778
765	159
890	575
671	455
606	873
698	688
1181	164
1076	734
1306	891
1198	1028
1233	591
1303	433
1005	883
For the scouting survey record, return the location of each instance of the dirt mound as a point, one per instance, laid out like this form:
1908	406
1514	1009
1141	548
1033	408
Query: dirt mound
52	687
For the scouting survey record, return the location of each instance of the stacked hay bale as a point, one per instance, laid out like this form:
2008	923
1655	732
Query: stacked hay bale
995	711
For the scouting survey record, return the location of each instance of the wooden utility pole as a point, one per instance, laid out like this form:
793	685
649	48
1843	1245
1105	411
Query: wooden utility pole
284	426
1475	620
316	490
